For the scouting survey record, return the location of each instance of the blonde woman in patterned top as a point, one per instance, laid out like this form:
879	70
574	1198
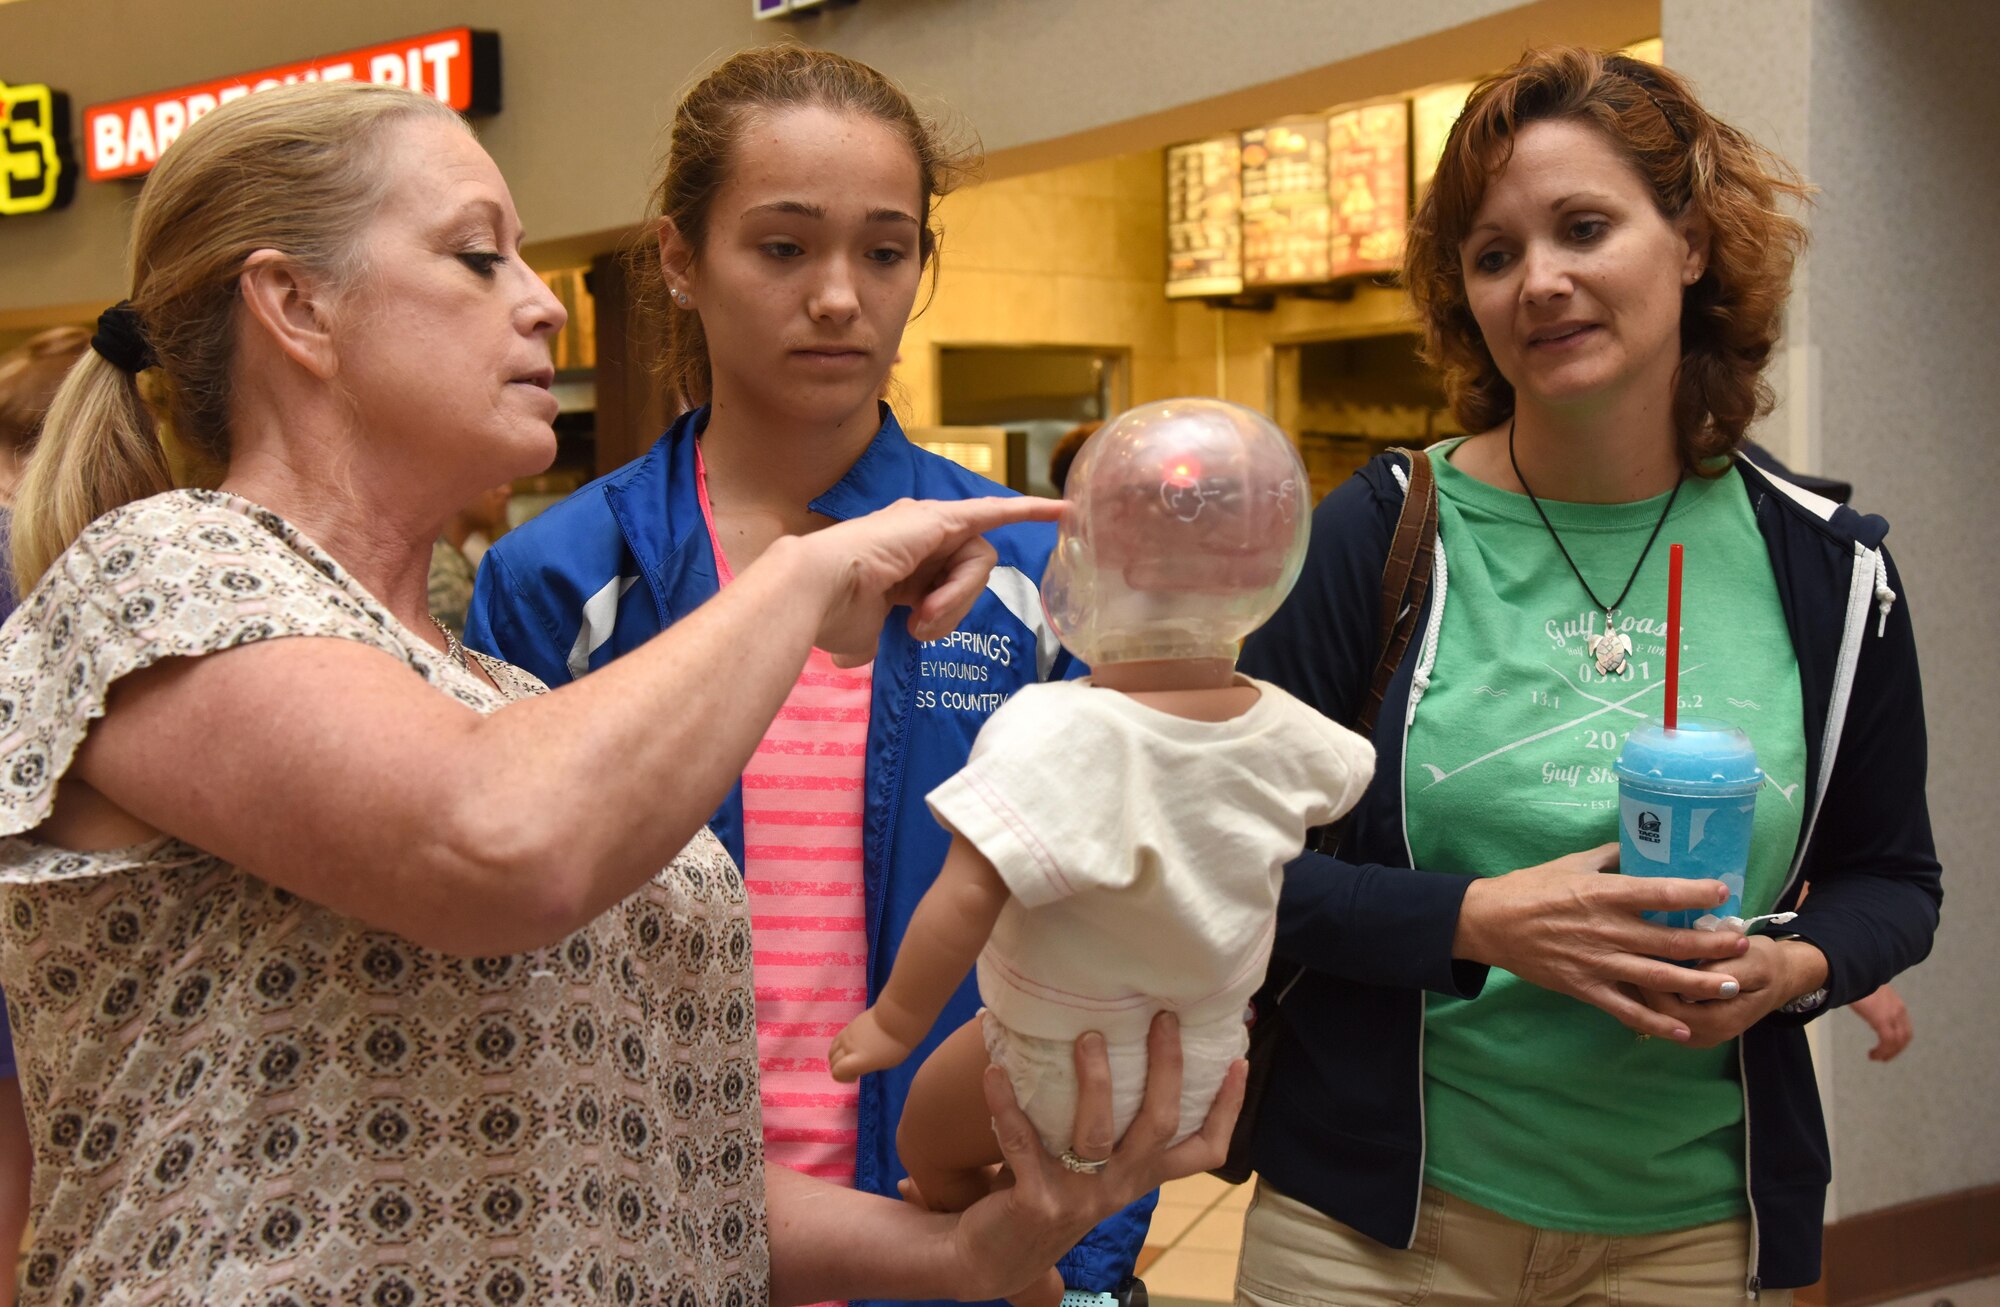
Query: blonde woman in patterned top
308	1010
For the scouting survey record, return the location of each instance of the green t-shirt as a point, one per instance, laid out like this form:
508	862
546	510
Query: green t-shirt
1536	1104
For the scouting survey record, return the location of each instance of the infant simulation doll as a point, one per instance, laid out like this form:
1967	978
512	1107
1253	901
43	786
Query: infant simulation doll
1119	841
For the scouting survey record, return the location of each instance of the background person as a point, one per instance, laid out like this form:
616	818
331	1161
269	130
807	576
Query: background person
1889	1017
352	966
30	373
455	554
794	223
1066	451
1599	267
29	376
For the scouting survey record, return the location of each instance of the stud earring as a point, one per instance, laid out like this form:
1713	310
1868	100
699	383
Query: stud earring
681	298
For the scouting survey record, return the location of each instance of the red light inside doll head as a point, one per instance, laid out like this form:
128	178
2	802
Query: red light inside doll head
1186	527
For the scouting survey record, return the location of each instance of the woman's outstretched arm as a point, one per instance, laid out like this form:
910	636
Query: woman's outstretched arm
326	768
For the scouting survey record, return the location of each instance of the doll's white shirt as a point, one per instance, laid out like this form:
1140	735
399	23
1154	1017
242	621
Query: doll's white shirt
1143	851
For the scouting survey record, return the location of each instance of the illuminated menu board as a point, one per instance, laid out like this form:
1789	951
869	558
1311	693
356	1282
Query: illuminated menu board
1204	218
1285	210
1432	114
1368	171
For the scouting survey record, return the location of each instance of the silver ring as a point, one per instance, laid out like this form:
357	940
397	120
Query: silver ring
1083	1165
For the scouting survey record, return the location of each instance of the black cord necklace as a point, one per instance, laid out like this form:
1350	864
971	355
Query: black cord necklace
1610	647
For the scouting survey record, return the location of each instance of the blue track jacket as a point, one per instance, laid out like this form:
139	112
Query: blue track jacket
1342	1125
622	559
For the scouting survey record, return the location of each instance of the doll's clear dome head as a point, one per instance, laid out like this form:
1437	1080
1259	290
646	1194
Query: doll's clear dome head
1184	526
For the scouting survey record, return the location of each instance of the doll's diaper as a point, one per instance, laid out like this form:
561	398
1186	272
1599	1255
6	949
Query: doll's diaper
1043	1073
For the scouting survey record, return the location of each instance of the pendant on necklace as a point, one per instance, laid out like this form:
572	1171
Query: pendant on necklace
1610	648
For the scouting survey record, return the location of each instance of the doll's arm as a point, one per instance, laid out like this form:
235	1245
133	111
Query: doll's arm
946	932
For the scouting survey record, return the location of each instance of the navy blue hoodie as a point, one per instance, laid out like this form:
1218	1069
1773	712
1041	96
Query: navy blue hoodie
1342	1125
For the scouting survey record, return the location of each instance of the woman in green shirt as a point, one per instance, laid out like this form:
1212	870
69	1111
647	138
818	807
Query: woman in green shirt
1600	268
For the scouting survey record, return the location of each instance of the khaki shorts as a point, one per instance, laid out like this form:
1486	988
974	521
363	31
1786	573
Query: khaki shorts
1468	1256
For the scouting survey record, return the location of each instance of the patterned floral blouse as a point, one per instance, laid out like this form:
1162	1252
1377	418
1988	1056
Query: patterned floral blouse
238	1096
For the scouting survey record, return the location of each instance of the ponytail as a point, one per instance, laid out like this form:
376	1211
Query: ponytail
99	448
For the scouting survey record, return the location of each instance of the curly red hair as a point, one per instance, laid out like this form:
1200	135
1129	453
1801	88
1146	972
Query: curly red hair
1695	164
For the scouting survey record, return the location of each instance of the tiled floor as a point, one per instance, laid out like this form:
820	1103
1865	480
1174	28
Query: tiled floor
1190	1255
1191	1251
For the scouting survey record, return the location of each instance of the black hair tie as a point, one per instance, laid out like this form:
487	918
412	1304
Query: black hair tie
1640	80
1673	124
121	339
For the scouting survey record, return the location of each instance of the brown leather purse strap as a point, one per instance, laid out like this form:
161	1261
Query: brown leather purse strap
1406	580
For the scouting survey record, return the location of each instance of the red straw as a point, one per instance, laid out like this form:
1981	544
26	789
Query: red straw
1673	634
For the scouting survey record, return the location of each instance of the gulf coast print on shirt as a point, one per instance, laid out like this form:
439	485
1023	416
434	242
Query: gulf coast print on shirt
1568	721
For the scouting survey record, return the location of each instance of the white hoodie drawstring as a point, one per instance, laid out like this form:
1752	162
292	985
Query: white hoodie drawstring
1885	598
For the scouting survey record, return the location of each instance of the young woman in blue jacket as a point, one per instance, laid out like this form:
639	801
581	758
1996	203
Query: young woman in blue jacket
1492	1086
795	224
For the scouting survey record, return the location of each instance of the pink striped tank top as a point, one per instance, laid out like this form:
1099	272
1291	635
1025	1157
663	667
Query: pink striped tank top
802	814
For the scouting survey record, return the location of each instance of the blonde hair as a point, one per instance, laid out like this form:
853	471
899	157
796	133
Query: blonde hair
293	169
707	124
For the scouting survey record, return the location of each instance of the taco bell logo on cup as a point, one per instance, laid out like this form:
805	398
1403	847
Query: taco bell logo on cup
1687	799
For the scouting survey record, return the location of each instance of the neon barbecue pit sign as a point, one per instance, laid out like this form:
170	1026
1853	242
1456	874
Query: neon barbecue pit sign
458	65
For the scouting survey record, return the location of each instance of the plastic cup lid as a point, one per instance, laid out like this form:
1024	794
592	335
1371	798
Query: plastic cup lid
1700	752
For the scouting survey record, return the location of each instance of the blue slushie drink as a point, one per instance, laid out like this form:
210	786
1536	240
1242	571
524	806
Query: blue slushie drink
1686	798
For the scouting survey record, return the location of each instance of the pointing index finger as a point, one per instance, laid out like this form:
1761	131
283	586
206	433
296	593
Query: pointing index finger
979	516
